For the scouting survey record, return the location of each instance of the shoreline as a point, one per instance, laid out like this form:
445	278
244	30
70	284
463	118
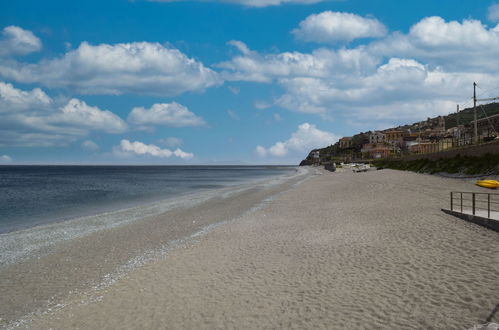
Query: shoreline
22	243
59	267
88	211
339	250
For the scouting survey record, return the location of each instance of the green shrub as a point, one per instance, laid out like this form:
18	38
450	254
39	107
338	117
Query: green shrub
487	164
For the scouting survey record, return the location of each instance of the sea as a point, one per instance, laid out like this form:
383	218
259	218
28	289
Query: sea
31	196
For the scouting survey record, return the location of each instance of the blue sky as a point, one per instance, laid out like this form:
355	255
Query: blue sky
236	81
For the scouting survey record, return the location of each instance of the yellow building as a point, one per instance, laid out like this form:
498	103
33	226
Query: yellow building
393	136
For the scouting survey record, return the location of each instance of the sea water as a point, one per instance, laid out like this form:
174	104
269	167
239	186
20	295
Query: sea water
36	195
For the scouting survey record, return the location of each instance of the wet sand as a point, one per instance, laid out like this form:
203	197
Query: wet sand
339	251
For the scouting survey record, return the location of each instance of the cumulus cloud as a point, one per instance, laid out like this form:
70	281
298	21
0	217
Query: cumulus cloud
255	3
395	79
330	27
166	114
138	67
12	98
77	112
306	137
90	145
421	90
452	45
5	159
253	66
493	13
32	118
136	148
17	41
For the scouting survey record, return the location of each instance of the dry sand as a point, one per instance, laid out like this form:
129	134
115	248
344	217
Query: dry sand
339	251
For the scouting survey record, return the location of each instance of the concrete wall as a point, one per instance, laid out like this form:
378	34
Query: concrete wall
474	151
484	222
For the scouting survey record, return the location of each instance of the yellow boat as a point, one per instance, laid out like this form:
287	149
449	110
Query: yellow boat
492	184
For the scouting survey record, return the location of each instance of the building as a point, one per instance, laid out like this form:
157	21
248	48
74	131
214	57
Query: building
345	142
424	147
376	150
394	137
487	127
445	143
376	137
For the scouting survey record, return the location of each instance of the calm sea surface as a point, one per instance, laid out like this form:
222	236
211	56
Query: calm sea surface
33	195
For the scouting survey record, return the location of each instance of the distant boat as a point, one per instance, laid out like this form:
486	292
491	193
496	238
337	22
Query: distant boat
491	184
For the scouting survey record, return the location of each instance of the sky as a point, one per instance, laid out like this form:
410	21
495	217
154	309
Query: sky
230	81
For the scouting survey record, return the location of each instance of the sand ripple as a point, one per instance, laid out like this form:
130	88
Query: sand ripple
341	251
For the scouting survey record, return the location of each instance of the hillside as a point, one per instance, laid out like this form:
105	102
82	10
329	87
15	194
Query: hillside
464	117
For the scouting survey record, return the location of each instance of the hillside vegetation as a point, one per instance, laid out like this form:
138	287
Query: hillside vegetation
486	165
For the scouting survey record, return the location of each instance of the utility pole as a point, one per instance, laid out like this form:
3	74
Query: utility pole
457	126
474	114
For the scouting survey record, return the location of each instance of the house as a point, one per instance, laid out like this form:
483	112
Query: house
345	142
376	137
394	137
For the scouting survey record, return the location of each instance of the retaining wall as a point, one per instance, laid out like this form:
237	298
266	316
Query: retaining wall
473	151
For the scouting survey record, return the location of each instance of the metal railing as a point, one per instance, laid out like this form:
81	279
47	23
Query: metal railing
475	203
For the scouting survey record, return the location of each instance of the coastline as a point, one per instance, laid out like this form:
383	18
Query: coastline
42	266
339	250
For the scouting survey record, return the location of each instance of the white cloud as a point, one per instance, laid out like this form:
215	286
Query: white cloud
32	118
139	67
380	95
166	114
255	3
265	3
12	98
78	113
252	66
136	148
396	79
330	27
171	142
450	45
493	13
17	41
5	159
435	31
90	145
306	137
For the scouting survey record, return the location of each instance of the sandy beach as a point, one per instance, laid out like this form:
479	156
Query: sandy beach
336	251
